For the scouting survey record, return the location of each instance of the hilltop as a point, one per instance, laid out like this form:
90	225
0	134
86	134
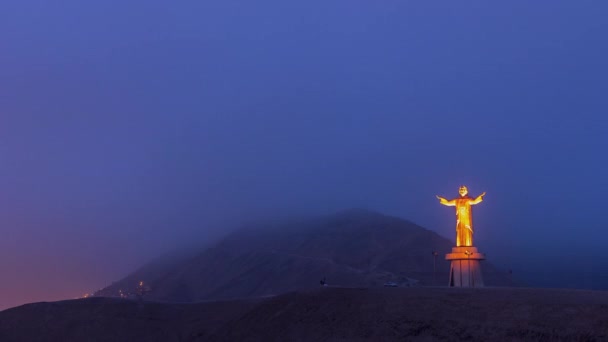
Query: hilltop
353	248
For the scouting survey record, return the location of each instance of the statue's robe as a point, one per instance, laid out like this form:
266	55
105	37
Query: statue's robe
464	221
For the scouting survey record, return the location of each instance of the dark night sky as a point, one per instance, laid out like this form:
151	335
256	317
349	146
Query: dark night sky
130	127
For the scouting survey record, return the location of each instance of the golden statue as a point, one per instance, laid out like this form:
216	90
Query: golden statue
464	215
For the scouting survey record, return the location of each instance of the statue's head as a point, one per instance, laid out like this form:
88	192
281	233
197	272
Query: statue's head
463	191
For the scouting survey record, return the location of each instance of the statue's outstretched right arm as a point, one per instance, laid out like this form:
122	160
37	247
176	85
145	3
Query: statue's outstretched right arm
446	202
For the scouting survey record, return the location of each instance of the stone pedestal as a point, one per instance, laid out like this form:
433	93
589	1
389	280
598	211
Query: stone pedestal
465	270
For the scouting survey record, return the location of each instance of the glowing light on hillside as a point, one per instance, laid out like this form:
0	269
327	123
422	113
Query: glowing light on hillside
142	289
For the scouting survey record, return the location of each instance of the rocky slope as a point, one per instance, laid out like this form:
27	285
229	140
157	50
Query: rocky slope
355	248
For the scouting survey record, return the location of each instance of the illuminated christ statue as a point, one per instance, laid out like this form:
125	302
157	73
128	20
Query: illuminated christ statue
464	215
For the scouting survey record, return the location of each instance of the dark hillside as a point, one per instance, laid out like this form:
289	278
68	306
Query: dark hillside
354	248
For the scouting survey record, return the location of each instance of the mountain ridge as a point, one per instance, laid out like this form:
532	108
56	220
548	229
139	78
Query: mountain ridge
352	248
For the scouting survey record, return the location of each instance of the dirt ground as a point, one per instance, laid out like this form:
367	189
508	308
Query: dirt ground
326	314
426	314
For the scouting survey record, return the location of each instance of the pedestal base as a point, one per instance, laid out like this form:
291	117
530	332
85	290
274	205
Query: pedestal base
465	270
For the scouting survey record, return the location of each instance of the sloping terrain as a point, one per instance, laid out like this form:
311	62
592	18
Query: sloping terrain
114	319
325	314
487	314
352	248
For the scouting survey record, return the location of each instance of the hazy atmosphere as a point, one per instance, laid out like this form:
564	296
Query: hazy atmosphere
132	129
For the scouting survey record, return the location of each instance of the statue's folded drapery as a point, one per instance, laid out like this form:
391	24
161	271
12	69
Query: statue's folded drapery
464	215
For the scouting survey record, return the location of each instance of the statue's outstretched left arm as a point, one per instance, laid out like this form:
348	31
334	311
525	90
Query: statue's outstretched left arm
479	199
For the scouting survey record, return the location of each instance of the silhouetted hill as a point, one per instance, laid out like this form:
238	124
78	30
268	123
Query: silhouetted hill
354	248
325	314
